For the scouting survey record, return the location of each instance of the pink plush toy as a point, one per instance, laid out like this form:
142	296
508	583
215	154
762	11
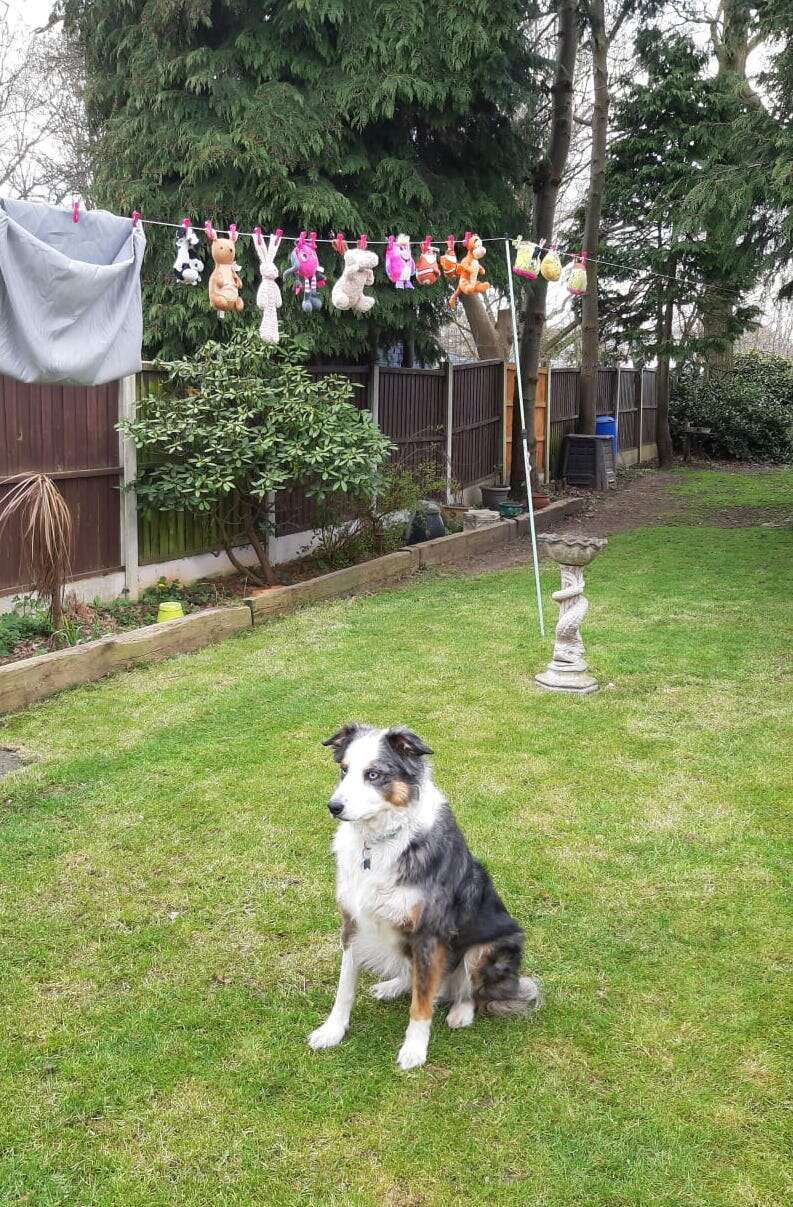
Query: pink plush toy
399	263
307	271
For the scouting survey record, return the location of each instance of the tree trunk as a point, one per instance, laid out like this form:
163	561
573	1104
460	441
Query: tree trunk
717	333
547	181
249	513
486	335
666	312
590	326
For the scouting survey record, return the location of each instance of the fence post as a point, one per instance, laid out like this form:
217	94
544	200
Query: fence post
504	387
641	419
449	427
548	382
374	393
617	413
128	456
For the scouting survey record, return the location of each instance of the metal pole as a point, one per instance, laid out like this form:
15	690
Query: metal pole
127	409
449	427
526	464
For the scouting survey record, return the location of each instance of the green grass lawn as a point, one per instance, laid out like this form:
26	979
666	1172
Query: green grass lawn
707	488
169	934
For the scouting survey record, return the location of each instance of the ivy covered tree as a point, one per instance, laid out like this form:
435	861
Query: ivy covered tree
242	419
359	116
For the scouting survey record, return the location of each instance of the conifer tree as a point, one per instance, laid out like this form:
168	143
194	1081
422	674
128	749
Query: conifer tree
352	115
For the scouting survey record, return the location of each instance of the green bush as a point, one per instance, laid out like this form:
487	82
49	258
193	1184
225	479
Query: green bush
749	411
15	628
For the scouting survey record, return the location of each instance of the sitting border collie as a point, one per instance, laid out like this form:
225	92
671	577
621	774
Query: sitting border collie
416	907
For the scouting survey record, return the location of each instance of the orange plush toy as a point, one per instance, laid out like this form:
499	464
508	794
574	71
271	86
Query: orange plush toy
448	261
427	270
469	268
225	281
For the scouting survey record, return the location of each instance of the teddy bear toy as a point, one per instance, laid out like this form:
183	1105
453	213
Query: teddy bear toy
359	265
225	281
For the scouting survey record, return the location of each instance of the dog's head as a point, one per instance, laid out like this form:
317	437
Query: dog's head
380	769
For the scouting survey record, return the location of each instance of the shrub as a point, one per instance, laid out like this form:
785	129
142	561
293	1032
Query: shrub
15	628
749	411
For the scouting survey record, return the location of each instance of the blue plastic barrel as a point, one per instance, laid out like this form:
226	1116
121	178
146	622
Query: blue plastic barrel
606	425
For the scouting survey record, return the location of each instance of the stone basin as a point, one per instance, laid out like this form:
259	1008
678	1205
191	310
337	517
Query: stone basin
569	550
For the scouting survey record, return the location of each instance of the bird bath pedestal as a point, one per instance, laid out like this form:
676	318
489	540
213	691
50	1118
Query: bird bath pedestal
567	671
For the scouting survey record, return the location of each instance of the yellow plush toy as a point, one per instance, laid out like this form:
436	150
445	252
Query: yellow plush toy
551	267
527	261
576	278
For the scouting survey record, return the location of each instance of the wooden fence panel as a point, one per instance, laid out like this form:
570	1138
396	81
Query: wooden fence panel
477	417
649	406
67	432
565	399
628	422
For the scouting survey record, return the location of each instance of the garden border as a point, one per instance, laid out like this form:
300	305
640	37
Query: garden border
30	680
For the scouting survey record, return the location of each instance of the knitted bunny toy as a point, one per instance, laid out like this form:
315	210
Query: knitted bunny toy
268	298
359	264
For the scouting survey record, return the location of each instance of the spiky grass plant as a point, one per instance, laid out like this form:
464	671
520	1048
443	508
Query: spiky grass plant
47	537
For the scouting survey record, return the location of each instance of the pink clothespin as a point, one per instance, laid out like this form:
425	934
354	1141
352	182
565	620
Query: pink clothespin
340	243
362	242
187	224
233	232
257	236
426	242
210	230
279	234
75	209
135	217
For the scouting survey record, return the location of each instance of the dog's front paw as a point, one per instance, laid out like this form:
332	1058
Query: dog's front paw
388	991
412	1055
413	1052
460	1015
328	1035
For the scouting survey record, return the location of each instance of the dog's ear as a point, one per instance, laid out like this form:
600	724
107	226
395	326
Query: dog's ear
406	743
340	740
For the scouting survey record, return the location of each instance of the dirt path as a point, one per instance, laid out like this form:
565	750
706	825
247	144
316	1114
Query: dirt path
640	499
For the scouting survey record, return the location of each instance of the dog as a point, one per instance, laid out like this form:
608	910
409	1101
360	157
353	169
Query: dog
417	908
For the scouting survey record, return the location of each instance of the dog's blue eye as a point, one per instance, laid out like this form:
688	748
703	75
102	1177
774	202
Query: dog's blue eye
372	775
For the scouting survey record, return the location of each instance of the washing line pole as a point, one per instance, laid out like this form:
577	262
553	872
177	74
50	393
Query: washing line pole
526	463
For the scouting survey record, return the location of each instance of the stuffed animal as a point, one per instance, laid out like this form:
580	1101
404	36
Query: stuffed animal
469	268
448	261
225	281
527	260
187	267
427	270
268	297
307	271
359	265
576	277
551	266
399	263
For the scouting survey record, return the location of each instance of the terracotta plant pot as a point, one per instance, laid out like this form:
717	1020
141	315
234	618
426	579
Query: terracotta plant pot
539	500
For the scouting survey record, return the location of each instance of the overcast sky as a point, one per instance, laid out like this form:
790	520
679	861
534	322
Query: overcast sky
34	12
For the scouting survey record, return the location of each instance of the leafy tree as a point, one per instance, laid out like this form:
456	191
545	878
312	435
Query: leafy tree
243	419
748	410
353	116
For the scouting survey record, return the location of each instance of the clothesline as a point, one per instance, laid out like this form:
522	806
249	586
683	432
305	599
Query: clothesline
560	251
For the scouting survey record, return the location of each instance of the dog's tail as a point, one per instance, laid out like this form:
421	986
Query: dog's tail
527	999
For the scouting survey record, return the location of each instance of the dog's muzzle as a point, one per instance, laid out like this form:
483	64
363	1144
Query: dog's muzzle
336	807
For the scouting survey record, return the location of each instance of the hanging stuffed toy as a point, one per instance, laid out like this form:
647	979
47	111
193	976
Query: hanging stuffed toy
307	271
427	270
551	266
448	261
225	281
399	263
268	297
469	269
359	265
527	261
187	267
576	277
